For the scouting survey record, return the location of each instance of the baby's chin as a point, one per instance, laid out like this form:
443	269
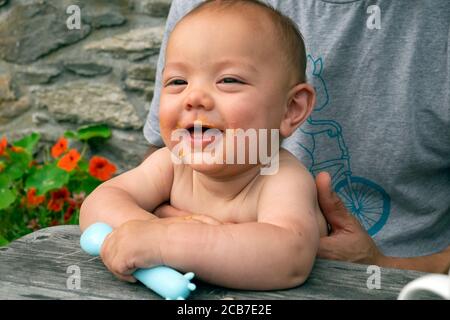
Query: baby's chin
206	163
217	170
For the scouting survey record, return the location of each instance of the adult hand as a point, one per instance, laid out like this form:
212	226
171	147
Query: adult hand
348	240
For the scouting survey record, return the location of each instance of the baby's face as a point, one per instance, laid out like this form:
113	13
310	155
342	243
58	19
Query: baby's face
224	70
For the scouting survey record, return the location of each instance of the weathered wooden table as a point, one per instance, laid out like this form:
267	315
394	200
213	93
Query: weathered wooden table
42	265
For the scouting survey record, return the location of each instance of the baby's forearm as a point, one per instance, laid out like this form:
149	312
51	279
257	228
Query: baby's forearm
112	206
256	256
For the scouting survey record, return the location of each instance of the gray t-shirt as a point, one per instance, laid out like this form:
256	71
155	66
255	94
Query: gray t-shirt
381	124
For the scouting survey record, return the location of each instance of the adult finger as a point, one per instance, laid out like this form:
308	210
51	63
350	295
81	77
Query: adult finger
326	247
332	207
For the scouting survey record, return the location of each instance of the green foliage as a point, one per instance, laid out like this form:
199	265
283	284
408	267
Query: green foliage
36	194
89	132
29	142
47	178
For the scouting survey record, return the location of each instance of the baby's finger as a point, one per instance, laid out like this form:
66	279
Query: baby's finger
167	211
123	271
125	277
106	245
206	219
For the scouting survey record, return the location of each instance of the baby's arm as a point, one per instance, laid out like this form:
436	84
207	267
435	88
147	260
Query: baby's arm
132	195
277	251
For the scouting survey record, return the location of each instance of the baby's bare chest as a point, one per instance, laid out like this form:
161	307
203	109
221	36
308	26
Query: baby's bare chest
186	196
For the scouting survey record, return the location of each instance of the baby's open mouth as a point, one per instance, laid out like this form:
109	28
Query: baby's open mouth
198	127
202	135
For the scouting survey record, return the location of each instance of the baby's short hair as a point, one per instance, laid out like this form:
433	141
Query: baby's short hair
289	35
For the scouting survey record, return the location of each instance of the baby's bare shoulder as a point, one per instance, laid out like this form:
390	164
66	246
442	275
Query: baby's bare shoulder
292	179
288	198
290	166
162	155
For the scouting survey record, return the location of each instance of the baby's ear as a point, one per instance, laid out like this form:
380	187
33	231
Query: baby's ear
301	101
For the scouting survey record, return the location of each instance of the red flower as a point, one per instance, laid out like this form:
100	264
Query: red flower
58	198
3	145
78	198
59	148
69	161
33	225
54	223
101	168
32	199
69	212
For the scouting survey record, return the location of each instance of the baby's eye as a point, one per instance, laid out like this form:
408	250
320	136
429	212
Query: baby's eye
230	80
176	82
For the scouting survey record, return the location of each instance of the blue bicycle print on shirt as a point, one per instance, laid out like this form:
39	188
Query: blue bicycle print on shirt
364	198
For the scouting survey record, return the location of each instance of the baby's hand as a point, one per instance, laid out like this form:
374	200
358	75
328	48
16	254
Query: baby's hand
167	211
203	219
131	246
135	244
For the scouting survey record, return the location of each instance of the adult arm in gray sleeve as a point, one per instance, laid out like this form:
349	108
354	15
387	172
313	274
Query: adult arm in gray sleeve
151	128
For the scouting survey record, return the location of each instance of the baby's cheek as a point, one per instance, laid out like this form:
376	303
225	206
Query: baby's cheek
166	135
167	123
164	118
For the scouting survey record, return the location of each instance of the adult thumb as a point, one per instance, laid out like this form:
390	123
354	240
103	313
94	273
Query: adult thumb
332	207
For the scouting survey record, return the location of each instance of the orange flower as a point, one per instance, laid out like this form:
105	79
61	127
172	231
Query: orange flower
34	200
101	168
59	148
32	163
69	161
3	145
17	149
58	198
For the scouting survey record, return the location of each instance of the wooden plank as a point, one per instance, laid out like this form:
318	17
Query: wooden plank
36	266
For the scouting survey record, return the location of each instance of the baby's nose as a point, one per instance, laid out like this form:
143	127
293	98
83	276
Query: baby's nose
198	99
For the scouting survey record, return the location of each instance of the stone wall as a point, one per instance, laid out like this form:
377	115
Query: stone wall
53	79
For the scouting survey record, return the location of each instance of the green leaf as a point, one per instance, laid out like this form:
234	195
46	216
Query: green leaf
86	184
19	164
7	197
5	181
71	135
47	178
28	142
75	219
83	165
3	241
94	131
